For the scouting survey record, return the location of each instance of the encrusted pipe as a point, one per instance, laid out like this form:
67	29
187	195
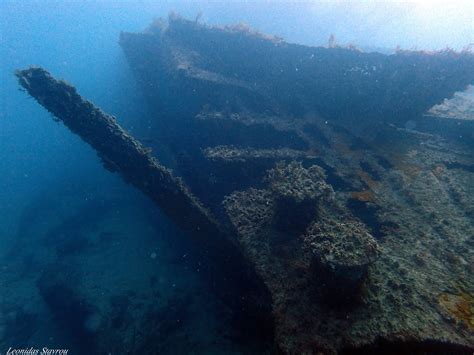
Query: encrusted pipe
228	271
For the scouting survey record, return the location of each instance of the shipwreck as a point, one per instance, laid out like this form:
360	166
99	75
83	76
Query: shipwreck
333	203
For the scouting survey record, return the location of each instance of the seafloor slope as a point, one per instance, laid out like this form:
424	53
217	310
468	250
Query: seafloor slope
352	208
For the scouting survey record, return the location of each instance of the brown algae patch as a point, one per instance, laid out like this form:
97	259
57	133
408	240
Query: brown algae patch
363	196
460	307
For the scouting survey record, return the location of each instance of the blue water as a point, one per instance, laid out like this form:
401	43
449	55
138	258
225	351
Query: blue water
63	216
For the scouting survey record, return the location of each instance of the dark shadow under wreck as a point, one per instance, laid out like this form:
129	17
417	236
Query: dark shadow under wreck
328	218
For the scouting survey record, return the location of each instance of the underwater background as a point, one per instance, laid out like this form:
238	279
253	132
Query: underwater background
62	215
